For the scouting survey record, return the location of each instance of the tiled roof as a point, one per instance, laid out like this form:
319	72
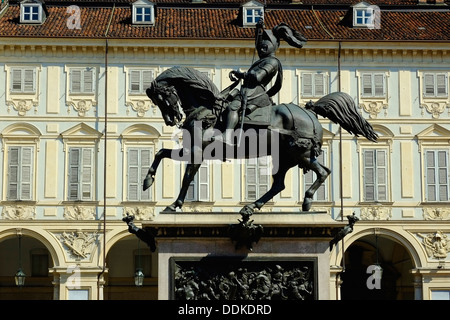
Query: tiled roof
223	23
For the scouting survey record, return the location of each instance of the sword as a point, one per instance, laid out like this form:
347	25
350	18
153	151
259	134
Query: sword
243	107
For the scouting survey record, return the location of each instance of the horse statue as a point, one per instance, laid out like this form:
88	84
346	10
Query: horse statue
190	100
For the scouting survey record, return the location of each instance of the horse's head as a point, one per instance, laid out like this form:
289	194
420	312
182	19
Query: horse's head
167	100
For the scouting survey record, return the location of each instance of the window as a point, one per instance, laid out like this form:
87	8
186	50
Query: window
140	80
314	84
31	13
309	178
20	172
23	80
257	177
436	175
375	175
366	16
139	161
252	12
143	12
81	173
82	80
373	85
435	85
199	188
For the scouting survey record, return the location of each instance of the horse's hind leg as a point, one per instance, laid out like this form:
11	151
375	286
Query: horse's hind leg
161	154
277	186
322	173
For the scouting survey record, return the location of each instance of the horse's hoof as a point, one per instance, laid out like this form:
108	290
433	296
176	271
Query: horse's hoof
170	208
307	203
246	211
148	181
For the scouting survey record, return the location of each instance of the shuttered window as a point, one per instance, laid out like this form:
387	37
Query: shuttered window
82	80
309	178
373	85
138	165
140	80
314	84
257	177
435	85
199	188
81	173
436	171
23	80
375	177
20	173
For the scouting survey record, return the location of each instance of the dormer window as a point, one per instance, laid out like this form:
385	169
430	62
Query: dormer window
31	12
252	12
366	16
143	12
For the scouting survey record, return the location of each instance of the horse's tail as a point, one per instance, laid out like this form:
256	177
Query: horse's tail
340	108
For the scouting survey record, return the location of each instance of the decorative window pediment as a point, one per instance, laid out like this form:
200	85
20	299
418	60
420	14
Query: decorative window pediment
373	91
143	12
32	11
81	133
252	11
434	91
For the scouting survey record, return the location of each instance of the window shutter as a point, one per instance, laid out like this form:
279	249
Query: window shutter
87	174
203	182
429	85
250	179
307	85
88	81
431	176
133	174
29	80
75	81
26	173
319	85
13	173
381	175
16	85
367	85
379	85
369	175
441	85
145	158
147	78
443	175
74	169
135	80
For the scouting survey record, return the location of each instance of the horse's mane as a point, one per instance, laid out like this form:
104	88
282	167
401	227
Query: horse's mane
195	81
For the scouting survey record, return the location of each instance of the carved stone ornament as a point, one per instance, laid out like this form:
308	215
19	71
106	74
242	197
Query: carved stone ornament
434	108
196	207
373	108
140	106
82	106
436	244
140	212
376	213
79	243
18	212
22	106
440	213
79	213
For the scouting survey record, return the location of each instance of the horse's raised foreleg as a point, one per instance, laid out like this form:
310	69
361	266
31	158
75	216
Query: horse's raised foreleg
277	186
322	173
161	154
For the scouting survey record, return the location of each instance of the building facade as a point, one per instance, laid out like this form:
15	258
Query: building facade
78	134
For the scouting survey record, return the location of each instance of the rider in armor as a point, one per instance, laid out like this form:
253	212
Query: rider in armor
253	93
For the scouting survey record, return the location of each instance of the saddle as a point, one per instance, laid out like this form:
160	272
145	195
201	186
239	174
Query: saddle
259	116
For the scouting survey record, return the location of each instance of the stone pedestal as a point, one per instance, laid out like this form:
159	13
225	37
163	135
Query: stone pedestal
198	259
